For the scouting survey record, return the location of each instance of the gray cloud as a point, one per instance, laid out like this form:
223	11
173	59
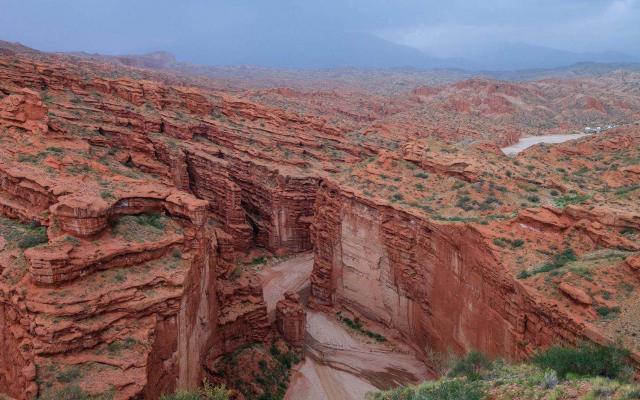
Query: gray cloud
292	32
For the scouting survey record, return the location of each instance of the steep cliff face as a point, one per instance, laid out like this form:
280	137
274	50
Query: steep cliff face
440	284
259	205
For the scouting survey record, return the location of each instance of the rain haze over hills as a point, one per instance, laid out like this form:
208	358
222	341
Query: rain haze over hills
487	35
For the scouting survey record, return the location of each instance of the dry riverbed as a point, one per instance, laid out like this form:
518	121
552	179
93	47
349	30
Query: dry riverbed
340	364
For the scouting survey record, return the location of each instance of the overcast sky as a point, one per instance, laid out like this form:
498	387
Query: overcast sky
189	28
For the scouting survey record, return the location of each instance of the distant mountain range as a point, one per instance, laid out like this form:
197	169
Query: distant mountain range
364	51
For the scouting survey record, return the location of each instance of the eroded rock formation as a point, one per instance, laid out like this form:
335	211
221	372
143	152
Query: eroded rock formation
127	196
291	319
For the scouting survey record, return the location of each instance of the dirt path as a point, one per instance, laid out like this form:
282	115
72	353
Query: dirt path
291	274
339	365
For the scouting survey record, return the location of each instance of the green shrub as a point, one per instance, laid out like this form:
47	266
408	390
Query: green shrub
154	220
471	366
559	261
586	360
608	312
455	389
524	274
33	237
258	260
571	198
627	189
209	391
107	195
500	242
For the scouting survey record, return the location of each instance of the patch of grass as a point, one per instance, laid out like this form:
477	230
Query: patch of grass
455	389
472	366
115	347
153	220
559	261
585	360
570	198
120	277
35	236
81	169
209	391
504	242
107	195
69	375
626	190
140	228
524	274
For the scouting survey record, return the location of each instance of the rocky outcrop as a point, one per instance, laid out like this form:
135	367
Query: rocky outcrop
291	319
160	321
243	314
24	110
439	284
576	294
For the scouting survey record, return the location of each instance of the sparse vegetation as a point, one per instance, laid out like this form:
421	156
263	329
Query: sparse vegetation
140	228
571	198
357	326
589	372
608	312
209	391
585	360
559	260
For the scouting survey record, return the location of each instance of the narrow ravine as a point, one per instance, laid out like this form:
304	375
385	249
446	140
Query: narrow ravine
339	365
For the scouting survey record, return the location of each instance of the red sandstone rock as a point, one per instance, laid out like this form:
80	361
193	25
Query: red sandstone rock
576	294
633	262
232	172
291	319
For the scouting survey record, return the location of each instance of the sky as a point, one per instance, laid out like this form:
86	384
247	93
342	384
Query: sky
312	33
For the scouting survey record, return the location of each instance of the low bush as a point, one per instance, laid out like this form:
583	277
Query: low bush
607	312
154	220
356	325
454	389
571	198
208	391
34	237
585	360
559	261
472	366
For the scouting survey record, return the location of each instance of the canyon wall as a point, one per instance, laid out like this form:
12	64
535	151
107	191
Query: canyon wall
439	284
